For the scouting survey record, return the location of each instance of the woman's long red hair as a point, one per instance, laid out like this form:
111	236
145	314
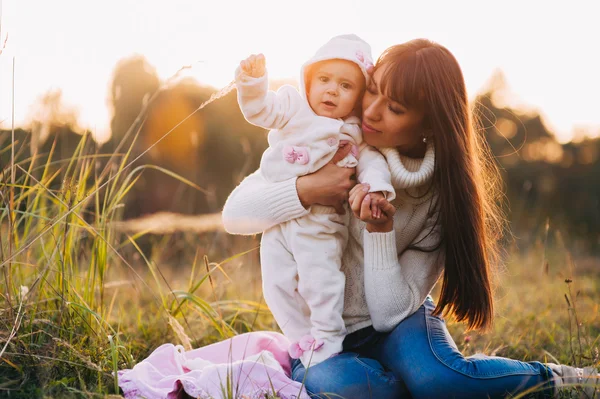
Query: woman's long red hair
425	74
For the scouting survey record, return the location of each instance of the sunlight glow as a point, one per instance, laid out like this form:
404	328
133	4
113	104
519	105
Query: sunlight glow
546	51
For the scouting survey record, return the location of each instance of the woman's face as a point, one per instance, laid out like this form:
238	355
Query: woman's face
387	123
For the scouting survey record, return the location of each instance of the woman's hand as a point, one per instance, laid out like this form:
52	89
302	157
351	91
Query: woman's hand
329	185
361	203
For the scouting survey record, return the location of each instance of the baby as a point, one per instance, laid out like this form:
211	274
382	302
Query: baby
301	259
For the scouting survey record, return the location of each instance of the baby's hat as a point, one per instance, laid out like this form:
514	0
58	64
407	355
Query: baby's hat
344	47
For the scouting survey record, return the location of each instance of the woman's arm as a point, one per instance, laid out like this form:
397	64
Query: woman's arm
395	286
257	204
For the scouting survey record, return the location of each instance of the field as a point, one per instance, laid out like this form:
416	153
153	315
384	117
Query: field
83	295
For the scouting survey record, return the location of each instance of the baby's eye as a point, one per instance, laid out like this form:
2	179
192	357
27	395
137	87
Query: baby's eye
346	86
323	79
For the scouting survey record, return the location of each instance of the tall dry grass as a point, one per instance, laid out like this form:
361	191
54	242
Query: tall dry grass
81	299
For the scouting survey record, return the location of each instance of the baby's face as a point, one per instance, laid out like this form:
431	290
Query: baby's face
334	88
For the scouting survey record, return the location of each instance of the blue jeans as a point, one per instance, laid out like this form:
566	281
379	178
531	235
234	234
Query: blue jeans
418	359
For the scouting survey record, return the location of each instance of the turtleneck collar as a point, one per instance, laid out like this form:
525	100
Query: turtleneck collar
410	172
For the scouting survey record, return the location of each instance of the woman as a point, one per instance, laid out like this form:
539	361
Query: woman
445	222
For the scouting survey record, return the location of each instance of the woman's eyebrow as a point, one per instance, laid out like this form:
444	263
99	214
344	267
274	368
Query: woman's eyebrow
399	102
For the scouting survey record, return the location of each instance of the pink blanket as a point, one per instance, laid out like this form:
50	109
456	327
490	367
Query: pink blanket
245	366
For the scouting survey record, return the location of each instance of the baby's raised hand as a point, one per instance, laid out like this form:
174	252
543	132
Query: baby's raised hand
254	65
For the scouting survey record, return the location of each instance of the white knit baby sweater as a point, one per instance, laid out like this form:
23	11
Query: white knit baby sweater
386	281
295	126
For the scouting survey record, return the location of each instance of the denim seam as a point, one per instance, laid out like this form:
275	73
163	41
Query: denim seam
379	373
481	375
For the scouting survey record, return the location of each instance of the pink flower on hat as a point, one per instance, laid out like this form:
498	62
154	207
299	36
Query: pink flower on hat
367	64
360	56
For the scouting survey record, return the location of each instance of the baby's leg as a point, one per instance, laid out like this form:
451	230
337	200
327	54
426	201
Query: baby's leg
280	284
318	241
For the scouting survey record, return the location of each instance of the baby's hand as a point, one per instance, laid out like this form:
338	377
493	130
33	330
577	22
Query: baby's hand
375	208
254	66
362	205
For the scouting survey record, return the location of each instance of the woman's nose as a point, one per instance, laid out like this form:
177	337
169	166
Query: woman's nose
372	111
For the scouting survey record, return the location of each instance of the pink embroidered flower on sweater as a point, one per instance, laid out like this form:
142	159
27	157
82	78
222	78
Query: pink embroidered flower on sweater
294	154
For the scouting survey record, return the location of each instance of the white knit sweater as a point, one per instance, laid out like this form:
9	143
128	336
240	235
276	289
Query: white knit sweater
295	125
385	280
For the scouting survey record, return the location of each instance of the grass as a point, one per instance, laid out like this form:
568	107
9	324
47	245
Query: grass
70	282
81	299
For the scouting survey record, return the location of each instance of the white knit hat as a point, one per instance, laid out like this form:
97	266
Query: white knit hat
344	47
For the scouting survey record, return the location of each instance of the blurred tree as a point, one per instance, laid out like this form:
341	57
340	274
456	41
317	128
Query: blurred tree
214	148
134	81
51	133
544	180
50	118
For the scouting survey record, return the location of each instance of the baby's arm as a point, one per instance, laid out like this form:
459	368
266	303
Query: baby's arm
373	169
261	106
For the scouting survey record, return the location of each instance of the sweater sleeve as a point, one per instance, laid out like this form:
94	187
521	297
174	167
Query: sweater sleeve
256	205
397	284
263	107
373	169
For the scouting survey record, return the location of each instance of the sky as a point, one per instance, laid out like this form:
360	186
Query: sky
548	51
